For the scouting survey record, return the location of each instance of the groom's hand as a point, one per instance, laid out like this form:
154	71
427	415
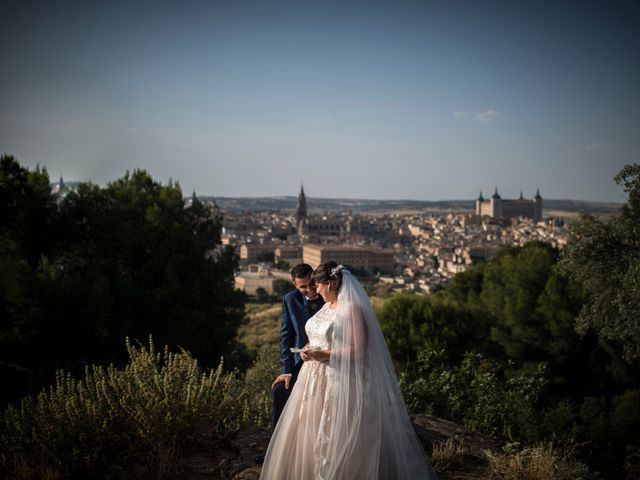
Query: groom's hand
282	378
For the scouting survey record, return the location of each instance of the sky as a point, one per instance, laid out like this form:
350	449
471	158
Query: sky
377	100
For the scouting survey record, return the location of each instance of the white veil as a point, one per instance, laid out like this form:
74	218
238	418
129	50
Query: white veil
365	430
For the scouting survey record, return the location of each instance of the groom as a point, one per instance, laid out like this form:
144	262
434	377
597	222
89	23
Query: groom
298	306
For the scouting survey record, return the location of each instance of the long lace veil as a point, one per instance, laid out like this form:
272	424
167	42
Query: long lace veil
367	433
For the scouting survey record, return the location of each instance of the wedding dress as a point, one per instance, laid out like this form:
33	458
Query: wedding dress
346	419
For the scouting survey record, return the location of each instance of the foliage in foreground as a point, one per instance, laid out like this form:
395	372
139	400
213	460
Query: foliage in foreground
79	274
604	256
258	380
476	394
546	461
114	422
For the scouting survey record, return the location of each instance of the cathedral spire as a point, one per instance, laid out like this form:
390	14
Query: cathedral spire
538	196
301	213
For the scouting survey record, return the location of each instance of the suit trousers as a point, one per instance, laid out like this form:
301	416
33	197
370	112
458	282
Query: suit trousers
281	395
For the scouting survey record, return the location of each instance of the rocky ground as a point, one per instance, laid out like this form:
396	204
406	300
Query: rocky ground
234	459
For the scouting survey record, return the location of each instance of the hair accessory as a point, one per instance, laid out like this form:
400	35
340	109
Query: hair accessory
337	269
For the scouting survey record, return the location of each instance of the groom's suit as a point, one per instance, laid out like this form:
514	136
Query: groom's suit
296	310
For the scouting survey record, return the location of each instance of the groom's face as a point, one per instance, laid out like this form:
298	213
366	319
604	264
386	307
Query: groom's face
306	286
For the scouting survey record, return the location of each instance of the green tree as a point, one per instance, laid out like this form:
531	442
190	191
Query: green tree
281	287
412	323
282	265
262	296
603	255
26	209
265	256
27	215
533	306
124	260
146	264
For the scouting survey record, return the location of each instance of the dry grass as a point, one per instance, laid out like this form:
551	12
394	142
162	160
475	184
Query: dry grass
262	326
447	454
544	462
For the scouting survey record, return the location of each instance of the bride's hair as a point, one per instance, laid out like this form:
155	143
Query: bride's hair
330	273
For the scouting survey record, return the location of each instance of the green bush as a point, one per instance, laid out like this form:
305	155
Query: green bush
562	422
612	426
140	419
477	394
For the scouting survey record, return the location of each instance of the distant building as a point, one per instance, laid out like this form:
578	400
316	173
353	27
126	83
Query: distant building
292	254
499	208
366	258
318	226
258	277
325	226
61	189
249	251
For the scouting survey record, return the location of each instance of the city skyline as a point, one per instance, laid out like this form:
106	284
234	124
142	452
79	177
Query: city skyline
375	100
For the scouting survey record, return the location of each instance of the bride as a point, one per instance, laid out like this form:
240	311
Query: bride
345	419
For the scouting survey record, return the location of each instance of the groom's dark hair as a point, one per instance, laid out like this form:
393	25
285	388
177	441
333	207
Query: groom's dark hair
301	270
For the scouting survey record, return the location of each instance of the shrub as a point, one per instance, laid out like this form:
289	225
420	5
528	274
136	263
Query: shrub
477	394
447	455
546	461
258	381
112	421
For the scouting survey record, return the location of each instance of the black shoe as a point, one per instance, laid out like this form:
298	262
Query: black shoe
259	458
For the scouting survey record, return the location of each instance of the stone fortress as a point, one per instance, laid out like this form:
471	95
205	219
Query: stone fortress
504	209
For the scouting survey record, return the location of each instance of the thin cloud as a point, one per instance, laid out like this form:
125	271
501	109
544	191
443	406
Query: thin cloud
486	117
600	146
324	120
480	117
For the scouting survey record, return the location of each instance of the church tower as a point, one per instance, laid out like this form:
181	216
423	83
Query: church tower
479	203
496	204
537	215
301	212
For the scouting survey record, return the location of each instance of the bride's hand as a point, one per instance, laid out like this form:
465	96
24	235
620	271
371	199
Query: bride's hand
304	356
319	355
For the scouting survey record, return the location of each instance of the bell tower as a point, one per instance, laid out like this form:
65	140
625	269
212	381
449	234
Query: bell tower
301	212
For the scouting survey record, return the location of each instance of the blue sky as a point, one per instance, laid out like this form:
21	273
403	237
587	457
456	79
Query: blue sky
387	100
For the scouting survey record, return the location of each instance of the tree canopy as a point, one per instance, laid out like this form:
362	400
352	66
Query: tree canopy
604	256
127	259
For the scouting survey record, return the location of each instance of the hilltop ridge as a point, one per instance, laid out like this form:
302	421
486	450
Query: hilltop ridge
280	203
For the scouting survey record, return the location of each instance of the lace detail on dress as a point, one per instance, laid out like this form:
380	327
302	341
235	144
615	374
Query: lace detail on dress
322	442
319	329
320	333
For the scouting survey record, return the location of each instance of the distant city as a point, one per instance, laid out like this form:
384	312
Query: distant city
400	245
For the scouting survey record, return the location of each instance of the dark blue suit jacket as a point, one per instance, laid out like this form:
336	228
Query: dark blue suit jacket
295	314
